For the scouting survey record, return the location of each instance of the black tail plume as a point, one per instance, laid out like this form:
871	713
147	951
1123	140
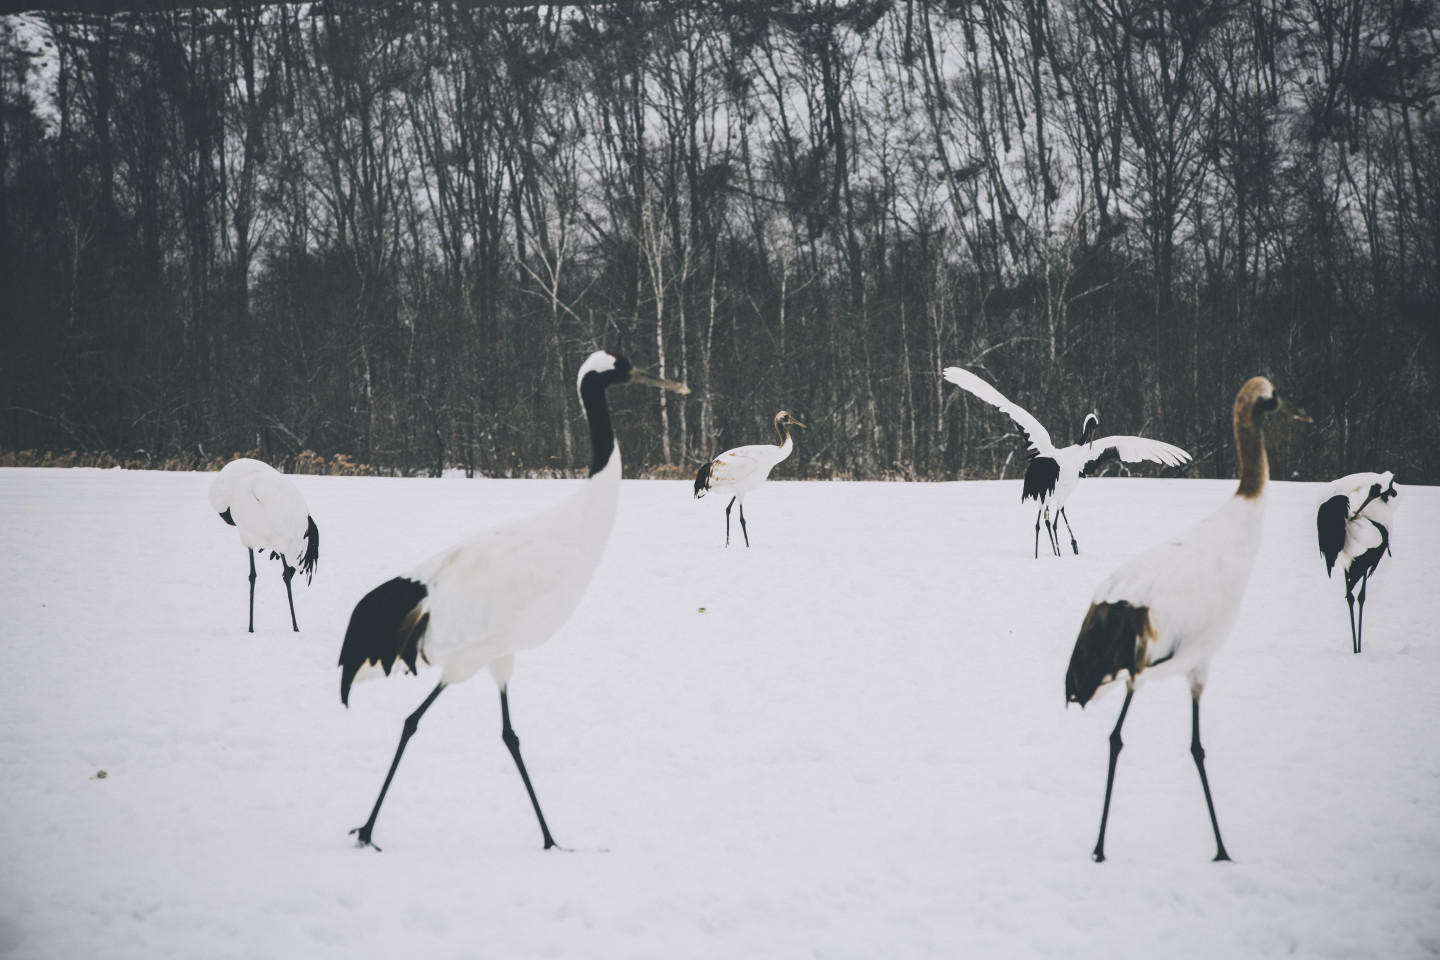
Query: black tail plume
312	550
702	479
386	626
1041	475
1330	522
1113	638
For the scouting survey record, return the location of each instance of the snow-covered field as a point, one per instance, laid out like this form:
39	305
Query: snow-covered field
859	749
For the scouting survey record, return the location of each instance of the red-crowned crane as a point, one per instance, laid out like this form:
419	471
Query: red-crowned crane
1354	521
742	469
270	514
478	603
1053	473
1169	609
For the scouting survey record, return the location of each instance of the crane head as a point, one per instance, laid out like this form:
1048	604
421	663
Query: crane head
611	369
1260	393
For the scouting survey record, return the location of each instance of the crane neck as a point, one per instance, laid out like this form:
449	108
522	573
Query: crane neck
602	431
1250	447
783	430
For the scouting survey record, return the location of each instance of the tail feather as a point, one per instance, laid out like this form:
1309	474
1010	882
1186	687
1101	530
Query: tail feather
1113	639
1041	476
312	550
386	626
702	479
1330	522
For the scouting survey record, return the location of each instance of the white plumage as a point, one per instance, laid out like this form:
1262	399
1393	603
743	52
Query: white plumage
1053	472
476	604
270	514
1354	521
1169	609
744	468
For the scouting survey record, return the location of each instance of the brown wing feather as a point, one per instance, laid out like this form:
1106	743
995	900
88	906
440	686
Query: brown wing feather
1113	640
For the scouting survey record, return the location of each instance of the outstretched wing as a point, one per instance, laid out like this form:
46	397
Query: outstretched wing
967	381
1132	449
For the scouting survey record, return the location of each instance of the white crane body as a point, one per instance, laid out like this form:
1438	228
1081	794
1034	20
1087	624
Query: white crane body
1192	587
510	588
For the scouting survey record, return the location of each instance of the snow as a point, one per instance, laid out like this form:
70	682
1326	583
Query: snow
859	749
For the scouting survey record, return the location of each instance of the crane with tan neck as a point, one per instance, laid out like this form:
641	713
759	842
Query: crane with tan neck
744	468
1169	610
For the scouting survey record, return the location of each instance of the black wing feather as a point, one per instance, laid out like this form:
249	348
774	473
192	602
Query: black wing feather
702	479
1097	465
386	626
1112	638
1041	475
312	550
1366	563
1330	521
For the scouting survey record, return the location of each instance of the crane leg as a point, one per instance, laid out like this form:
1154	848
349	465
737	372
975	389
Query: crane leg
1115	744
727	520
1073	545
512	741
1198	752
1350	599
747	532
1360	621
252	591
1038	514
412	723
290	575
1054	532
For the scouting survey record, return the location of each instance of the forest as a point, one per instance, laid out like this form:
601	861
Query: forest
393	231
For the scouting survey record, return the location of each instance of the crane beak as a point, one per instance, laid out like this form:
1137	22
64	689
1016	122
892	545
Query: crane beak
1284	406
650	380
796	423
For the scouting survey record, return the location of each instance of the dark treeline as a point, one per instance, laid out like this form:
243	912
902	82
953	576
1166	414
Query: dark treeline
394	231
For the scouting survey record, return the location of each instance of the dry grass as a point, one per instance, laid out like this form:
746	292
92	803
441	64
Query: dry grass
310	462
307	461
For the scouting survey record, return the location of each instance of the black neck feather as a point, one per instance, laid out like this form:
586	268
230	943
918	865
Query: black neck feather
597	411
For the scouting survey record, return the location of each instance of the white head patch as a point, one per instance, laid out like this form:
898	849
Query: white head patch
598	362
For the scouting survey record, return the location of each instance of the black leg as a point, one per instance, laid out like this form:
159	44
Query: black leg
290	575
512	741
412	723
1350	599
727	520
1037	532
1073	545
1115	744
1054	532
1360	621
742	523
1198	752
252	591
